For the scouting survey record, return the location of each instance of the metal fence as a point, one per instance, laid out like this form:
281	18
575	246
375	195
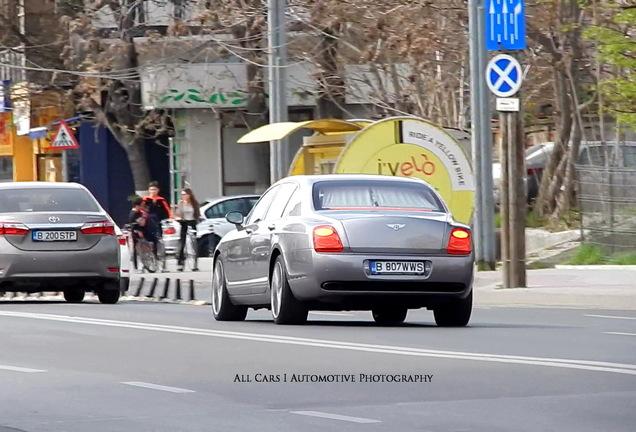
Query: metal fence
607	199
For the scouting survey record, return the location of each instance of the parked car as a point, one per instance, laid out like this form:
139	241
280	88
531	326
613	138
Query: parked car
214	226
56	237
345	242
590	153
124	260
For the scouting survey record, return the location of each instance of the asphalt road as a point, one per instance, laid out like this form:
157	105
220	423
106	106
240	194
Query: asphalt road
161	367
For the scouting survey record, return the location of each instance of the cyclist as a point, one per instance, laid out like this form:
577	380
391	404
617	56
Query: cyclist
157	207
188	214
142	225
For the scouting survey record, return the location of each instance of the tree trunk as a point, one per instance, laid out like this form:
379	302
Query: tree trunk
138	163
554	170
331	98
556	193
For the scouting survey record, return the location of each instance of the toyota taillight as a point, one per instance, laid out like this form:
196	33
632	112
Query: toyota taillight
13	228
102	227
459	242
170	231
326	239
122	240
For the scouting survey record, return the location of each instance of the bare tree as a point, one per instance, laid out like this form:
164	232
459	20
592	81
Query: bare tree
557	29
102	46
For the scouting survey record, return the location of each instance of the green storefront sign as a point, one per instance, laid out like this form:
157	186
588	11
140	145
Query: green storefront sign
193	96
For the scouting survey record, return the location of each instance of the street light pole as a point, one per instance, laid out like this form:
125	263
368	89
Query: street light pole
277	78
476	124
481	132
486	182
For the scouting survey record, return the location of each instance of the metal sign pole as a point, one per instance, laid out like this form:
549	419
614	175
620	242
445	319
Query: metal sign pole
505	30
64	166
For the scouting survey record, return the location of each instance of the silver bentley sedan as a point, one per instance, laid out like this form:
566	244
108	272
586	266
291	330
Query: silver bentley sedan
345	242
56	237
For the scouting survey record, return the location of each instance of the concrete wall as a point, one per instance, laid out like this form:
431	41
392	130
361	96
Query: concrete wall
204	153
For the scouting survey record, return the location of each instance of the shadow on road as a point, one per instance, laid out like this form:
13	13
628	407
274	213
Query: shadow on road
417	325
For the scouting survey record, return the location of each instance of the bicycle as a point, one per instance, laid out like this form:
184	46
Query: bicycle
190	252
144	251
161	247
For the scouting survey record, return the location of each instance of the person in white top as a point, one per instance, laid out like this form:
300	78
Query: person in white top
188	214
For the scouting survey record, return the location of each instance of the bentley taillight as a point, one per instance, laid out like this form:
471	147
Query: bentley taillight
459	242
326	239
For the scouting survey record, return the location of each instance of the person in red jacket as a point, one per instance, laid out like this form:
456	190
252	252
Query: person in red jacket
157	206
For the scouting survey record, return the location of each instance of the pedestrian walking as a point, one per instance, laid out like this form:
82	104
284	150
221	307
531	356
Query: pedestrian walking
188	214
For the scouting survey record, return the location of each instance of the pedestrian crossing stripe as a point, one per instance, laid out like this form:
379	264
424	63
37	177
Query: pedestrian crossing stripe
64	138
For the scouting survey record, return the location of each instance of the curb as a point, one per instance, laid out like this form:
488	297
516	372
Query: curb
188	287
595	267
137	295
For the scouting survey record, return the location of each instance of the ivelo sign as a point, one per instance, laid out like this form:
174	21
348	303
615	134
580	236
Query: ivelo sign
505	25
504	75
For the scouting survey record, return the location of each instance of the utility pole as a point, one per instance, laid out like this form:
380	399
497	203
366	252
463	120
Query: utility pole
505	76
277	77
517	194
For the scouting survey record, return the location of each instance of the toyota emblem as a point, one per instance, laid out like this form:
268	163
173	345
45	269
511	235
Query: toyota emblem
54	219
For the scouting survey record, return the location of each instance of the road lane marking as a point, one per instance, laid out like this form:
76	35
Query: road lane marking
157	387
20	369
612	316
335	417
620	334
619	368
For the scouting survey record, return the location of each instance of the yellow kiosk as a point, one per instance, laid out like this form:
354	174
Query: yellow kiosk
397	146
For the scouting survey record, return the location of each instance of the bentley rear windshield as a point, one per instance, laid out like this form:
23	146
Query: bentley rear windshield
374	195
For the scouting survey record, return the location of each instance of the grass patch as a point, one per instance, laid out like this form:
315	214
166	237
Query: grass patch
533	220
588	255
538	265
623	259
596	255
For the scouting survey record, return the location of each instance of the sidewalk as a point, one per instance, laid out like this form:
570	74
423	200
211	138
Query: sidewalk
572	288
576	288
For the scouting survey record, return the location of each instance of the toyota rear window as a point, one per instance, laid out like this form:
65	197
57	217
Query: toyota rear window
374	195
46	200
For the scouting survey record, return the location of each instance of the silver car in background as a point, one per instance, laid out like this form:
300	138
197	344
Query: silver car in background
56	237
345	242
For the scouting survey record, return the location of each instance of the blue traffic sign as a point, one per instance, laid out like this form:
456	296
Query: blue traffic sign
505	25
504	75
